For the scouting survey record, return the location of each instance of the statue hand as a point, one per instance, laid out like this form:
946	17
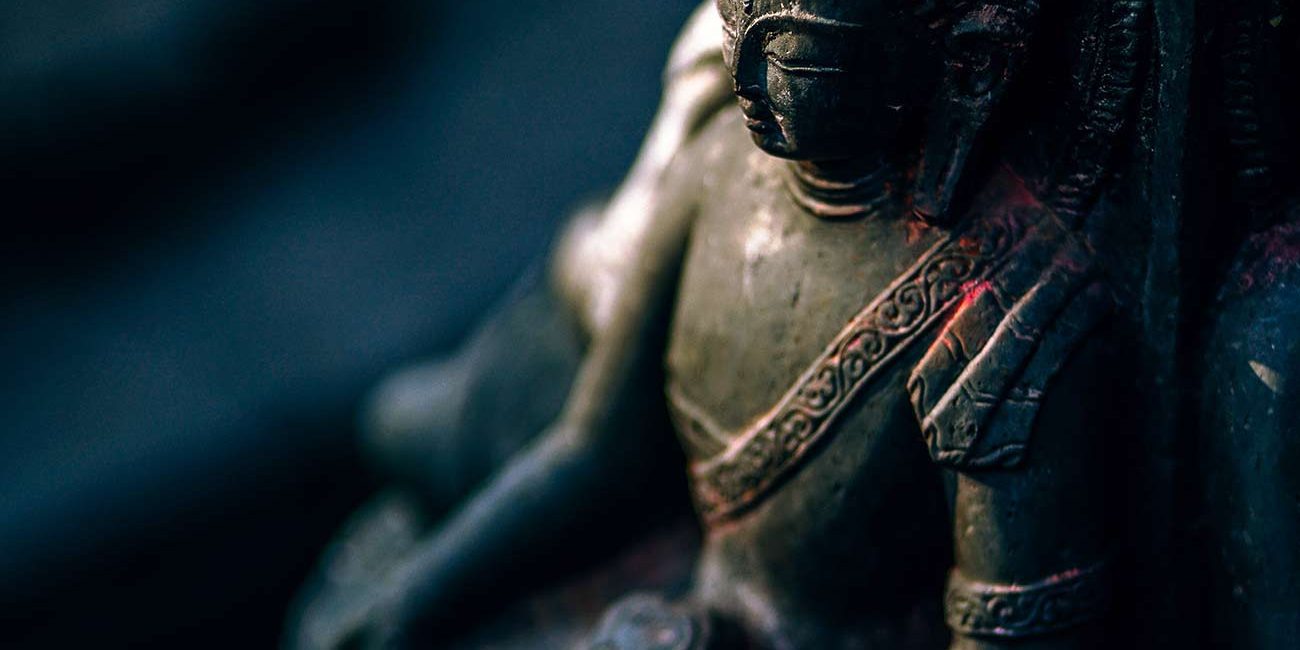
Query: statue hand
347	601
358	623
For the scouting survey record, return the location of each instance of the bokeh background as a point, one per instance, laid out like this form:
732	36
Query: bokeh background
223	221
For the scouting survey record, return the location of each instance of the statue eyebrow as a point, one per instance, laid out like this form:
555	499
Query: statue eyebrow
787	20
801	18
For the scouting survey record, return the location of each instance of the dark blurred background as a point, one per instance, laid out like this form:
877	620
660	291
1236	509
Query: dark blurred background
224	221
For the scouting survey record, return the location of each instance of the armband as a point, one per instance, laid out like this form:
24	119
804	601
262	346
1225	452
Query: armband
1017	611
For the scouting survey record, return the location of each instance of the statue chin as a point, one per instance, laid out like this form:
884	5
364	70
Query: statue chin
774	144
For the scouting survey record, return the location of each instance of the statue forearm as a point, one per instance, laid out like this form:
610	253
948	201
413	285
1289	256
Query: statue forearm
1031	568
603	449
1026	578
546	494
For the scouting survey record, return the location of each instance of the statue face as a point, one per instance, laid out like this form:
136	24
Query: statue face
828	79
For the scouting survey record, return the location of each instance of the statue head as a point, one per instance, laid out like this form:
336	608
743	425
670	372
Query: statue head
828	80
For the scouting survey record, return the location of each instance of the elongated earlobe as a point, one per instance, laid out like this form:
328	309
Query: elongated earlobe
985	48
955	124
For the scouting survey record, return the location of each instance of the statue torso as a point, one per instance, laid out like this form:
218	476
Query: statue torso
850	540
824	374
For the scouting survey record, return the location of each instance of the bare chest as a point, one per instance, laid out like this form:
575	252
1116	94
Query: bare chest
766	288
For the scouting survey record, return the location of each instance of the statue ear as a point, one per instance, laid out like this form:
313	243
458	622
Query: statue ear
985	48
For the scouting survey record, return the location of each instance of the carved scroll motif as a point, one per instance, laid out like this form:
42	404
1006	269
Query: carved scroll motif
740	476
1059	602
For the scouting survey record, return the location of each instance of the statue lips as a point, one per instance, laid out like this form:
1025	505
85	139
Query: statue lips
760	126
758	118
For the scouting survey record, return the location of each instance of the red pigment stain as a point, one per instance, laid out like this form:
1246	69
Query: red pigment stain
968	243
1020	193
916	229
972	290
1268	256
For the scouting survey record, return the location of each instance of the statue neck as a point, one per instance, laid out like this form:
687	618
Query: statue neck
844	188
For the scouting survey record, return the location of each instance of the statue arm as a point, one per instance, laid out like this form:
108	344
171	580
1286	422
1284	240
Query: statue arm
1016	399
596	247
595	456
582	470
616	268
1029	547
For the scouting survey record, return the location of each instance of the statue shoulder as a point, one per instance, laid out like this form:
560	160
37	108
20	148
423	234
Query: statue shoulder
698	45
978	389
591	258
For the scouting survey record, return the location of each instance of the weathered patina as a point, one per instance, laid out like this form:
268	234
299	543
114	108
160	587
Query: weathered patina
920	311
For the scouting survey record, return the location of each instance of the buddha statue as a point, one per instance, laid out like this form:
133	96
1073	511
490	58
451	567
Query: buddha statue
872	303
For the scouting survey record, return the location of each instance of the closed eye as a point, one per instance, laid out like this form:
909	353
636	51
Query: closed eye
802	67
